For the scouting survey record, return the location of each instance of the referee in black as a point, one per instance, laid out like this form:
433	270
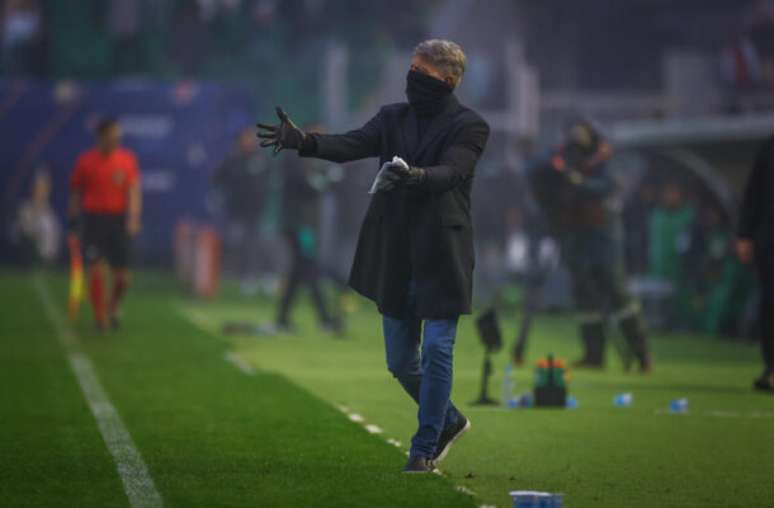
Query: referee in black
755	244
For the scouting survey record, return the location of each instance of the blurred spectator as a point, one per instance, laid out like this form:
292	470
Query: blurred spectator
123	27
38	229
302	186
242	180
635	217
670	229
23	36
755	243
721	286
749	59
190	41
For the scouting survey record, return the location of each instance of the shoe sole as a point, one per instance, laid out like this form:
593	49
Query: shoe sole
429	471
448	446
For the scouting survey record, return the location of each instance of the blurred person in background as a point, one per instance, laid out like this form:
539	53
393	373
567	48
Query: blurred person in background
414	257
23	37
242	179
670	231
635	219
575	190
720	283
303	183
106	205
755	244
123	20
38	228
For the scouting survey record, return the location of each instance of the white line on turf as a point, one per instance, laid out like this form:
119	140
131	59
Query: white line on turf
231	357
464	490
355	417
238	362
373	429
138	484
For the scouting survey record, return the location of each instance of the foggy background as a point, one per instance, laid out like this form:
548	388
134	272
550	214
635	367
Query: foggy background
682	89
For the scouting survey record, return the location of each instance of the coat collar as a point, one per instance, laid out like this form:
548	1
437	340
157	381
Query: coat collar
416	147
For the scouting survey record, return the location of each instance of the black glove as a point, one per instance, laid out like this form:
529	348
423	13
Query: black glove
284	135
401	175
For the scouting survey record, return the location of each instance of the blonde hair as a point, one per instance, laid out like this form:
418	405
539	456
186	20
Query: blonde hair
445	55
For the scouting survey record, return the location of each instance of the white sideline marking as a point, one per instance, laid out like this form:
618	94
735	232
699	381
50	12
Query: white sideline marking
138	484
235	360
231	357
373	429
464	490
355	417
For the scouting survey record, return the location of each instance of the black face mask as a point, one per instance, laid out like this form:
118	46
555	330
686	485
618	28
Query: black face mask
427	95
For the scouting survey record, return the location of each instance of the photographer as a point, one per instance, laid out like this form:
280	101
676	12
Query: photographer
574	189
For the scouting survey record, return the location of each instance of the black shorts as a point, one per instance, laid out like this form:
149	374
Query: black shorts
105	236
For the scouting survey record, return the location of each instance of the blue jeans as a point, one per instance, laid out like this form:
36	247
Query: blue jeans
427	378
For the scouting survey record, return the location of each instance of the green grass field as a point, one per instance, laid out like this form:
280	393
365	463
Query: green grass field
271	434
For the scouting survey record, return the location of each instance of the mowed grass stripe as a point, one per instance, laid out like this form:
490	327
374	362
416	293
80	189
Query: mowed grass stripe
51	452
138	484
213	436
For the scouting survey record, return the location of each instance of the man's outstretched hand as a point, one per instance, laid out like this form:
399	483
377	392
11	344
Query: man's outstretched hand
284	135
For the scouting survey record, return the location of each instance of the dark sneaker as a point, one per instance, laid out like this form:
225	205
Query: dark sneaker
765	383
419	465
115	322
448	437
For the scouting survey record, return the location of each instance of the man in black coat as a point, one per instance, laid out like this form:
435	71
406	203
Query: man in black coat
414	256
756	243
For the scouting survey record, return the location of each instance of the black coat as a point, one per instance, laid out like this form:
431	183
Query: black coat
421	233
756	219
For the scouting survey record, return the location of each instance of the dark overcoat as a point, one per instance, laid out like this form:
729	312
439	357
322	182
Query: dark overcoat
756	217
422	233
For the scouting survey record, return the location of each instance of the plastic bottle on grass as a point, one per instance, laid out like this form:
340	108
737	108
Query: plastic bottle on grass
623	400
678	406
535	499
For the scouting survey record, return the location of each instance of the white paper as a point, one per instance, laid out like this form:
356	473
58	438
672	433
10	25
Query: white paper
396	161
